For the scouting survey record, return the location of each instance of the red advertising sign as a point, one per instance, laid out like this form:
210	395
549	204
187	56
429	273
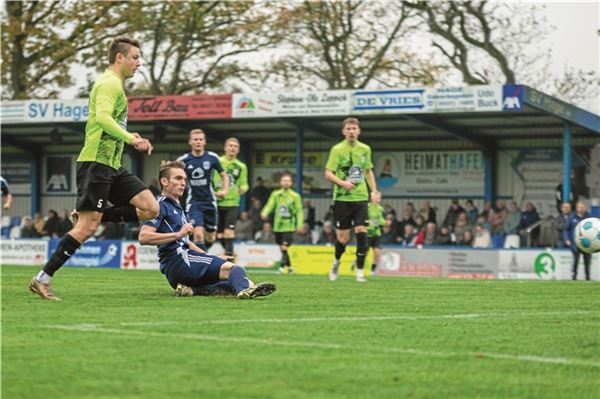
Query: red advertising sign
203	106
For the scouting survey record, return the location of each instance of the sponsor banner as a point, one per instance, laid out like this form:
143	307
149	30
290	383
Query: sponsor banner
136	256
58	175
413	262
17	174
317	103
426	173
513	98
463	99
105	254
548	264
317	259
256	255
477	264
388	101
204	106
23	252
271	164
42	111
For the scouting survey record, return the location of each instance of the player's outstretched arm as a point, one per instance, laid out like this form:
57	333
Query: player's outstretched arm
149	235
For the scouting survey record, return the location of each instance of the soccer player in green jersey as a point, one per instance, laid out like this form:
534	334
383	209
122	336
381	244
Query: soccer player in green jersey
289	217
238	185
350	168
100	178
376	222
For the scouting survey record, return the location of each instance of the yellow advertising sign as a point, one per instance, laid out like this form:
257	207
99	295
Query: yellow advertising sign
282	159
317	259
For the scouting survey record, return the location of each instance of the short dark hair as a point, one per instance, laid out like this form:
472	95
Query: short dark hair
286	174
166	166
350	120
120	45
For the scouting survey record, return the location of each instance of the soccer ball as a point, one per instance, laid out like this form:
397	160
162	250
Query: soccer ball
587	235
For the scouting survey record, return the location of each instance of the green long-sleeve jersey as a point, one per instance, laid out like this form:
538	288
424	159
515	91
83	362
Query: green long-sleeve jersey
287	205
376	220
105	130
238	178
351	164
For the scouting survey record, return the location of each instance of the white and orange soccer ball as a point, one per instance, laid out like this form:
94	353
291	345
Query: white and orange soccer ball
587	235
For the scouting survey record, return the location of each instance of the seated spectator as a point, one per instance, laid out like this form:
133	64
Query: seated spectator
481	219
461	225
329	216
560	222
498	217
303	236
513	218
412	237
51	225
452	214
466	239
38	223
389	210
488	210
309	214
265	235
401	226
472	212
388	236
444	237
243	227
327	234
28	229
428	212
483	239
64	223
528	218
430	234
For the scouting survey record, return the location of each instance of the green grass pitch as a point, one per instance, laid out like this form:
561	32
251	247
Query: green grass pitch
122	334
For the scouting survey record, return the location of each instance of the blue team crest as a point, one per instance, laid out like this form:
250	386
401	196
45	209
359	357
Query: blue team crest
206	165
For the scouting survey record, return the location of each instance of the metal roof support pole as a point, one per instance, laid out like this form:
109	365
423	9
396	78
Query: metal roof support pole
566	162
299	159
489	165
36	166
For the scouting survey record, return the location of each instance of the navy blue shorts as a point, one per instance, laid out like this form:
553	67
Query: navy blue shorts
203	215
192	268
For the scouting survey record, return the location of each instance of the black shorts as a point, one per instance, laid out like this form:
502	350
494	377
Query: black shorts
227	217
374	242
284	238
348	214
99	184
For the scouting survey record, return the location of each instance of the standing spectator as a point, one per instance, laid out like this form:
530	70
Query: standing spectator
327	234
444	237
569	238
64	224
488	210
255	215
428	212
51	226
560	223
472	211
309	214
481	219
558	195
260	192
38	223
482	237
529	217
452	214
410	208
28	230
498	217
243	227
6	195
512	220
389	210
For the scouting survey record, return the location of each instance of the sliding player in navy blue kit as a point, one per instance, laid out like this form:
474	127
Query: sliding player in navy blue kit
189	270
201	200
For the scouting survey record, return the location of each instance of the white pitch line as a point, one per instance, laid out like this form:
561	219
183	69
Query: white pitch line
325	345
353	318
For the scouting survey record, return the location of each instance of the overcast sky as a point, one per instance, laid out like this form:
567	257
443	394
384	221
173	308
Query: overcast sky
574	38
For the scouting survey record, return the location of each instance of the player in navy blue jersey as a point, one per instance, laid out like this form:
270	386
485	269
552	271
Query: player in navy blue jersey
201	199
190	270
